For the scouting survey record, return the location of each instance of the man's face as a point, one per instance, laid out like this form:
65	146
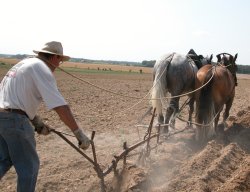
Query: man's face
57	60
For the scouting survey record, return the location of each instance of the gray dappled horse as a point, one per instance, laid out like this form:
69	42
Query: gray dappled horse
175	73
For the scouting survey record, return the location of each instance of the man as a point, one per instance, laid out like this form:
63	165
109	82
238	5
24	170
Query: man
21	91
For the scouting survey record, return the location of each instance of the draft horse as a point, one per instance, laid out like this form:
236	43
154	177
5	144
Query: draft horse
219	83
175	74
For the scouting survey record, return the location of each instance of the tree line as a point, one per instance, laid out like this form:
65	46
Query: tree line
242	69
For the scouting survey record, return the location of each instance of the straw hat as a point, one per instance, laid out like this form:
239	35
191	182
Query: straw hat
53	47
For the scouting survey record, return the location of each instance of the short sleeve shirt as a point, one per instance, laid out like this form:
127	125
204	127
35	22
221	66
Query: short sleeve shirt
27	84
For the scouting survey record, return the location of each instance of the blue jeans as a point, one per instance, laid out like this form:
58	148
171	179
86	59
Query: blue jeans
18	148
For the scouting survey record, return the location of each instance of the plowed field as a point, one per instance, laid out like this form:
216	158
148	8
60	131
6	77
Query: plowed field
178	164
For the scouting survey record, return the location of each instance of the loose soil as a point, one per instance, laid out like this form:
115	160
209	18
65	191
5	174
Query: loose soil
177	164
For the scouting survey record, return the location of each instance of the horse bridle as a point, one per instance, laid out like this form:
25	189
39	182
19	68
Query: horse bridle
230	62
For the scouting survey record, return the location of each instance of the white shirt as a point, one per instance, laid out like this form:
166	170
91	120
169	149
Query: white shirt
27	84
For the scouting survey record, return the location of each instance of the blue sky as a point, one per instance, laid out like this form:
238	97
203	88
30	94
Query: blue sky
127	30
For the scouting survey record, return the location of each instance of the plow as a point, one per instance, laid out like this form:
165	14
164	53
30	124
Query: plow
122	156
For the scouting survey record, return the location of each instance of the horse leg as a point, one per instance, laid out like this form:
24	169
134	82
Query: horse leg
160	119
191	110
216	120
221	127
228	107
176	110
171	111
175	104
168	114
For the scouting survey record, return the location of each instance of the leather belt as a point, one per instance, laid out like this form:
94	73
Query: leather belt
19	111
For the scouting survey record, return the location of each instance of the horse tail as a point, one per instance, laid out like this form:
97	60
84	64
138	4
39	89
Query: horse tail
159	88
205	106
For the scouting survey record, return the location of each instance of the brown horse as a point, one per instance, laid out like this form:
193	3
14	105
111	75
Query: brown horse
219	83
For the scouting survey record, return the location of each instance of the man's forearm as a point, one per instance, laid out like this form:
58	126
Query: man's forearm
66	116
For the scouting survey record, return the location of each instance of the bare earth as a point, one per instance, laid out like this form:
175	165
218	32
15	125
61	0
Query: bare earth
178	164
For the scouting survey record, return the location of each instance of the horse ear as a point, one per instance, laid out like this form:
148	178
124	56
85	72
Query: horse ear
218	57
211	58
231	59
235	57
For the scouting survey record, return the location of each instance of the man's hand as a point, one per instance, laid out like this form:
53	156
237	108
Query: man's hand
40	127
84	141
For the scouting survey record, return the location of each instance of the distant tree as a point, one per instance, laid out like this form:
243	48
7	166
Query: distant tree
243	69
148	63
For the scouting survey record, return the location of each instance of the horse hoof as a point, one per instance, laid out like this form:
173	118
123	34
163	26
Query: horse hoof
165	130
